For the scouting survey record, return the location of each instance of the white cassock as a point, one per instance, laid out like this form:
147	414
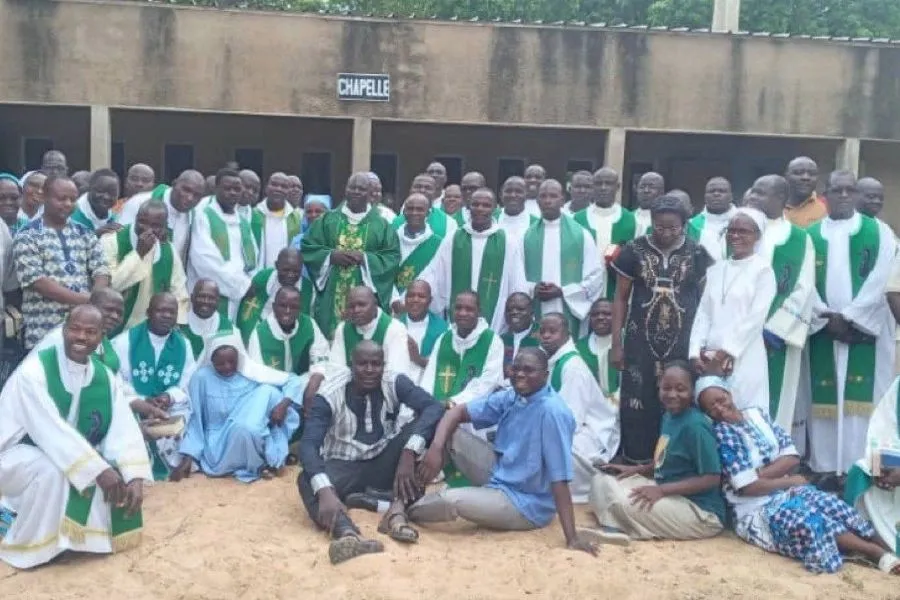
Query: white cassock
395	346
893	287
179	222
491	375
318	350
35	480
207	328
602	220
515	226
836	443
791	321
206	260
83	205
644	221
731	317
600	346
439	273
712	236
577	297
532	207
596	420
416	330
408	243
274	233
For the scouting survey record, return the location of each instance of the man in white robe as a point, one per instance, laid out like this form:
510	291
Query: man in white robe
68	430
562	266
366	321
418	246
534	176
514	219
852	349
790	251
597	418
204	320
274	221
438	173
180	200
581	192
423	326
594	350
650	186
222	244
460	263
710	224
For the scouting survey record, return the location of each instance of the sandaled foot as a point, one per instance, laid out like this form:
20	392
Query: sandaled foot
889	563
347	547
268	473
604	535
291	460
397	527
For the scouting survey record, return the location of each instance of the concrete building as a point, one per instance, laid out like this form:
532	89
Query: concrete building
112	83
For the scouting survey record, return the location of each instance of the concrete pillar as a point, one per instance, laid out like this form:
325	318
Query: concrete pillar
848	155
361	156
726	16
614	153
101	138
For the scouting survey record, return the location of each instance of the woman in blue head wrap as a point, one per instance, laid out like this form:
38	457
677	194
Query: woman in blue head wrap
773	508
315	206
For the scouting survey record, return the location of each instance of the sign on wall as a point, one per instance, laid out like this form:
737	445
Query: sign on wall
361	86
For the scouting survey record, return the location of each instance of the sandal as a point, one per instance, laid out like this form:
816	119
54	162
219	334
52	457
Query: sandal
604	535
397	527
268	473
291	460
889	563
351	546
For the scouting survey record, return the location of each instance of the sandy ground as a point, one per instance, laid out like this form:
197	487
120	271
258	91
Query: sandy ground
210	539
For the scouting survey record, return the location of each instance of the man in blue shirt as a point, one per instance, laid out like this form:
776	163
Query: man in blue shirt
533	453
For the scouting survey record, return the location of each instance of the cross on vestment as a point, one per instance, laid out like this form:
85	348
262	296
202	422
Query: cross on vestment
447	375
143	371
250	307
489	282
275	362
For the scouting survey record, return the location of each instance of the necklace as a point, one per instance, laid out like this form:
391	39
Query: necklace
727	285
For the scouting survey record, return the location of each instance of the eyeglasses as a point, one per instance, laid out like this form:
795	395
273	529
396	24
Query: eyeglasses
668	228
738	231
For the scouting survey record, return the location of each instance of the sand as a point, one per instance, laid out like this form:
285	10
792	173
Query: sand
210	539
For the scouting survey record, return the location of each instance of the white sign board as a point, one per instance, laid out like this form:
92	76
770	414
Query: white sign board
360	86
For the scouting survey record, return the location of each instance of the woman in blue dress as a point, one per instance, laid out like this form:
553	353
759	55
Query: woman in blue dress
774	509
243	415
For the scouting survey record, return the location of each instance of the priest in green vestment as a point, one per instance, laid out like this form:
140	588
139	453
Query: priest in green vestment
204	320
368	321
594	349
650	186
521	329
257	303
610	224
350	246
423	326
418	246
514	219
562	266
157	362
440	222
708	226
73	460
274	221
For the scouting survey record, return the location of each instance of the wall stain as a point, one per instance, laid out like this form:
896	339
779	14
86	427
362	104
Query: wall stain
735	106
885	99
854	98
158	33
40	48
632	50
505	99
226	79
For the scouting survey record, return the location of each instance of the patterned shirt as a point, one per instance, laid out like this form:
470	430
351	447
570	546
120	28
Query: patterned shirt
72	257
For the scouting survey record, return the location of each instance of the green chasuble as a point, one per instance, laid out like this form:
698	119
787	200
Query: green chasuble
258	225
787	262
374	237
860	382
433	330
491	275
532	340
436	219
352	337
571	258
413	265
274	350
160	272
251	307
622	231
196	340
95	413
593	362
151	377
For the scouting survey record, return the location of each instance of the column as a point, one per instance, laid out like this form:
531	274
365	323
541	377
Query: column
614	153
848	155
101	138
726	16
361	156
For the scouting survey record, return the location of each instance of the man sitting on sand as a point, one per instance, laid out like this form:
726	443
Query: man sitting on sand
532	450
353	444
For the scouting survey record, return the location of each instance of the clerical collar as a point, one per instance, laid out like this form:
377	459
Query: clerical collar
409	318
605	211
413	234
158	339
364	329
522	215
554	222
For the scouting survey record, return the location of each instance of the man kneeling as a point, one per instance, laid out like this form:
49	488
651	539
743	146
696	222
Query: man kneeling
352	444
533	450
66	430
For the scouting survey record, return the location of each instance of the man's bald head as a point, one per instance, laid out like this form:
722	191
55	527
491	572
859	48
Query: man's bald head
139	178
871	196
104	294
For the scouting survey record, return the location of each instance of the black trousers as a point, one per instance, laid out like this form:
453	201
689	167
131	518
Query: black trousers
353	476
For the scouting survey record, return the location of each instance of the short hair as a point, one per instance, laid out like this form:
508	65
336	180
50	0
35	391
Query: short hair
560	317
53	179
667	203
582	173
223	173
471	293
100	174
153	204
537	353
286	289
680	363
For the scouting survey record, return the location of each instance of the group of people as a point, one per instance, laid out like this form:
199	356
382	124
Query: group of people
675	372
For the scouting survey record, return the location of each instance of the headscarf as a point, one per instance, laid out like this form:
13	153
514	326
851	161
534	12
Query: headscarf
247	367
758	217
14	179
669	204
25	178
323	199
710	381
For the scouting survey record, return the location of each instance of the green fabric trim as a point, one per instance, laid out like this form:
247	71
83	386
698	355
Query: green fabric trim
436	326
556	374
160	272
454	372
272	349
491	275
571	259
151	377
352	337
415	263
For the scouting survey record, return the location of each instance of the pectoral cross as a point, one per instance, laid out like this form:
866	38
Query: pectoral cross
275	363
489	282
250	307
447	376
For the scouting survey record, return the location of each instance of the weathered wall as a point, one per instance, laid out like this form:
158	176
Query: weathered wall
126	54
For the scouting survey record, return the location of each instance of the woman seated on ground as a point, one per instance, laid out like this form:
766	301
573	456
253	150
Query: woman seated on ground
873	484
773	509
676	497
242	415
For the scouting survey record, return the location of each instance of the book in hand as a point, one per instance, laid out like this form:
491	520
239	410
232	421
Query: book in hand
163	428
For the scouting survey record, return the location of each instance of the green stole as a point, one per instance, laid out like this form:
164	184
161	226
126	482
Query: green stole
196	340
694	227
258	225
273	349
160	273
593	362
82	219
150	377
622	232
556	373
787	262
454	372
109	356
532	340
436	219
352	337
459	217
433	330
860	382
159	192
251	309
491	275
218	230
858	481
571	257
95	408
413	265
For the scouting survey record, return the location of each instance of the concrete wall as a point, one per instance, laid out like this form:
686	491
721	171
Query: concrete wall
136	55
68	127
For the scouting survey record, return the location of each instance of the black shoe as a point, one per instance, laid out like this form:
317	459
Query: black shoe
362	501
383	495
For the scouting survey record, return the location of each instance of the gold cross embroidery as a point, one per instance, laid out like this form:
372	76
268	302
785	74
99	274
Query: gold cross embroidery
489	282
275	362
250	307
447	376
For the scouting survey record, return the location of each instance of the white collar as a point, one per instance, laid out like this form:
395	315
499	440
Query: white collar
507	218
353	217
206	326
158	341
605	212
370	326
418	239
597	343
554	222
234	217
461	344
263	207
569	346
277	332
85	207
494	228
720	218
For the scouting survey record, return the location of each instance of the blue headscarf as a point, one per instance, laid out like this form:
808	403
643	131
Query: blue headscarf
710	381
322	199
13	178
